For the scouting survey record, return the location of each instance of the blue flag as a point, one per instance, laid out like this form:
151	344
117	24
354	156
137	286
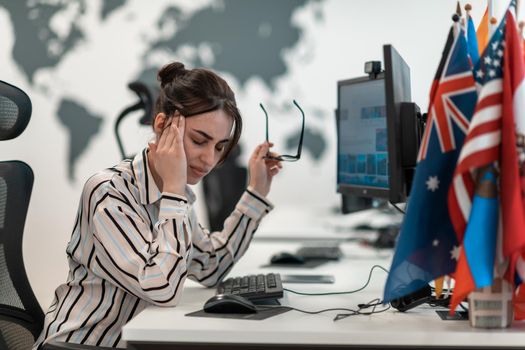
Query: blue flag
427	247
472	41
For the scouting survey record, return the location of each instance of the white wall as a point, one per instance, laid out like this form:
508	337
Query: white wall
352	32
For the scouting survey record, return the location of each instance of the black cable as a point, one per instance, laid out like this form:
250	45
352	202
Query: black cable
373	303
351	312
305	311
398	208
346	292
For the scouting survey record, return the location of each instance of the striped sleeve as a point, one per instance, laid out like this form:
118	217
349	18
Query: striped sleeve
215	253
148	261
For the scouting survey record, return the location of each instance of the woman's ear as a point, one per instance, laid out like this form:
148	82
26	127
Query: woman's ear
159	123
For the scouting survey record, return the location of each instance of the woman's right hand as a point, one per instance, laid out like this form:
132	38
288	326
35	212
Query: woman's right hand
169	157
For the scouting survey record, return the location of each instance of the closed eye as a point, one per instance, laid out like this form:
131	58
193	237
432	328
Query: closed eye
199	143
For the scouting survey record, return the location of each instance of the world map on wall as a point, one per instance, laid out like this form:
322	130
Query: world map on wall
244	38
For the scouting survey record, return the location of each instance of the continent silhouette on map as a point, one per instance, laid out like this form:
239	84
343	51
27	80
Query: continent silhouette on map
36	45
313	142
247	37
109	6
82	126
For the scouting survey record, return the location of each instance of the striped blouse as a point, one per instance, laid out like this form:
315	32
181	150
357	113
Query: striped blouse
133	246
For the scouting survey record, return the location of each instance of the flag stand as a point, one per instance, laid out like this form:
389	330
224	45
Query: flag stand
491	307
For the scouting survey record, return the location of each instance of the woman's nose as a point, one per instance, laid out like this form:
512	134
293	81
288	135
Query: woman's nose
208	156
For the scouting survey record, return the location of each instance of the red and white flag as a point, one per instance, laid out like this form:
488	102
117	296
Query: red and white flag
513	152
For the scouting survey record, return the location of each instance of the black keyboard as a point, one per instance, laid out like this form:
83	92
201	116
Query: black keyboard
313	252
253	287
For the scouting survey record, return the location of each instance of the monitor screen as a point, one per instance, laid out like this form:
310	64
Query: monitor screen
362	157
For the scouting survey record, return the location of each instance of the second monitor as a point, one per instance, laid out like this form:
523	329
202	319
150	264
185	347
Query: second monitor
378	132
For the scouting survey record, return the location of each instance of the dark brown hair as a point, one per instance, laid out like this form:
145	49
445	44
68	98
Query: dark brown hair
196	91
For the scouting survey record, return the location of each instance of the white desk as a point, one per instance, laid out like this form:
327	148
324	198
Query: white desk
164	328
319	223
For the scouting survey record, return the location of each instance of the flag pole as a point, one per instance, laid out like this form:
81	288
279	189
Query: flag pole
468	8
458	9
460	14
492	19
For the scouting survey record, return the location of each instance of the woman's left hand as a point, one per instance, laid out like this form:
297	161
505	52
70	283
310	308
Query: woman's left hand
261	170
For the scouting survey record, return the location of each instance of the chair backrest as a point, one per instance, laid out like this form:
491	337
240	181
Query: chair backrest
15	111
222	188
21	317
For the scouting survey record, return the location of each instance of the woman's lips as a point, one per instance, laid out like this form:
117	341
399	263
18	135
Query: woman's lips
198	171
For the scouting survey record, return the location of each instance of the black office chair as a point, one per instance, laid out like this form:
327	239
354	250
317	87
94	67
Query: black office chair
21	318
222	188
144	103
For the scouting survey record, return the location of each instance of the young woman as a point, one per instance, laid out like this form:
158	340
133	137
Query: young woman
136	238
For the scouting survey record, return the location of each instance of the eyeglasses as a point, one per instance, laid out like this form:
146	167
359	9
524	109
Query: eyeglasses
286	157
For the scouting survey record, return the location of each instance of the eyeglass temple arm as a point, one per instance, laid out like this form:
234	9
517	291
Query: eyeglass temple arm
266	115
302	129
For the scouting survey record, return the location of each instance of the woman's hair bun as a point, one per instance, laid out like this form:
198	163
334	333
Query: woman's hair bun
170	72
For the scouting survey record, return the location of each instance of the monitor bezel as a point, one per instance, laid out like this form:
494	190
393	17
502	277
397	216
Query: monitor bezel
346	189
397	180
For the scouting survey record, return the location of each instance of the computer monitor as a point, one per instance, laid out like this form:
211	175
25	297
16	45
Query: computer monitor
362	150
403	125
378	132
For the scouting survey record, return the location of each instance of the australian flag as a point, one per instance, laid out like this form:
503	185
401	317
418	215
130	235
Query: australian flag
427	247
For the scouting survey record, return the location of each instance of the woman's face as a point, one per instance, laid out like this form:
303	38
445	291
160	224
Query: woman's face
205	139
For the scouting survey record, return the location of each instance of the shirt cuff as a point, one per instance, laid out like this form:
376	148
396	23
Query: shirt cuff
172	206
254	204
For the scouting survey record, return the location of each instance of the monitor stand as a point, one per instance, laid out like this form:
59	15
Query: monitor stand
351	204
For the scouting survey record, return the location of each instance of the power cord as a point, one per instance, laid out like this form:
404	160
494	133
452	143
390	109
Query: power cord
373	304
351	312
346	292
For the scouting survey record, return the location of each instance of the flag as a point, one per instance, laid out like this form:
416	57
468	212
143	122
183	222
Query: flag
491	138
472	41
481	145
482	33
513	135
475	268
480	149
427	243
519	303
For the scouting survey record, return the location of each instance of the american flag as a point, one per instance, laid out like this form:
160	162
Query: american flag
481	146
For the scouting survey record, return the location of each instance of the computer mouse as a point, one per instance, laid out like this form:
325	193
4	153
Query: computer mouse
287	258
229	304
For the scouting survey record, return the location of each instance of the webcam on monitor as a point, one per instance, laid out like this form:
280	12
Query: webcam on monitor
372	68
